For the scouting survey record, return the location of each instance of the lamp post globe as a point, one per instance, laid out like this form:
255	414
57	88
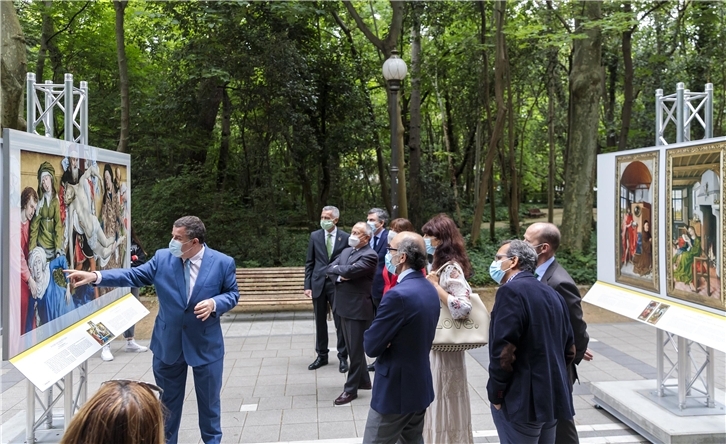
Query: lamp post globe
394	70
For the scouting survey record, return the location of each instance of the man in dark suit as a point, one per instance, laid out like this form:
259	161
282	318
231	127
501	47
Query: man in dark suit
352	273
377	219
324	247
545	238
195	286
400	337
530	345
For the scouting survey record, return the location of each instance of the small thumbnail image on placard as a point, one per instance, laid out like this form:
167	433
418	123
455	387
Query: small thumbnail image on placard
658	313
648	310
99	332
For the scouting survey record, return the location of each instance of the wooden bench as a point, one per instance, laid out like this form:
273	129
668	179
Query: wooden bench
278	287
535	212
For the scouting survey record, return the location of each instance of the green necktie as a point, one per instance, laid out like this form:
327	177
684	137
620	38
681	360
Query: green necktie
329	244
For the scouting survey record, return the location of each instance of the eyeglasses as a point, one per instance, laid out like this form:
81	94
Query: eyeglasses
391	249
147	385
502	256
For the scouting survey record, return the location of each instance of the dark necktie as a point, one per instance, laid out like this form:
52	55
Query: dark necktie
187	276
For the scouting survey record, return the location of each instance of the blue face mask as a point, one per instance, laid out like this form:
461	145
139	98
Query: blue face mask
429	248
175	247
389	266
496	272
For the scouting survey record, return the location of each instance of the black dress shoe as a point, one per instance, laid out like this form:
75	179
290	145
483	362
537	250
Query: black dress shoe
345	398
372	367
365	386
343	366
318	362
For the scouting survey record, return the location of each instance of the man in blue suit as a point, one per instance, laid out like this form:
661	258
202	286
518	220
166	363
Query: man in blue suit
400	337
377	218
195	286
530	345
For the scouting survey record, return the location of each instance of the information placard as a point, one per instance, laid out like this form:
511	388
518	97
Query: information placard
52	359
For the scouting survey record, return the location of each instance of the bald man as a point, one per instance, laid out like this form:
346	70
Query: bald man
545	238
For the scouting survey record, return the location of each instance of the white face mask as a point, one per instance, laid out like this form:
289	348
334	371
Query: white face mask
353	241
372	225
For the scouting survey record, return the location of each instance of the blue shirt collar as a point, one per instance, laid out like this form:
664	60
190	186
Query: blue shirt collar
542	269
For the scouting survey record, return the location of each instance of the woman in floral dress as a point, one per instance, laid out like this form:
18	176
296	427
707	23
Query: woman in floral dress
448	418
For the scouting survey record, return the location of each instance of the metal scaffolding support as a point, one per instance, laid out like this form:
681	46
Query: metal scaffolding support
42	100
682	109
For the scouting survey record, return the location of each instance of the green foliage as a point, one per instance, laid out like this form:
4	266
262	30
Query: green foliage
582	267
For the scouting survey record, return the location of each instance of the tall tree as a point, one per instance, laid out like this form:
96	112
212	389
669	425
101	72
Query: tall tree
582	143
414	126
500	67
386	45
14	65
123	73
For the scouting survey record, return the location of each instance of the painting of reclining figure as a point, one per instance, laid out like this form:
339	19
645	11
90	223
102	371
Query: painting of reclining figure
636	245
695	224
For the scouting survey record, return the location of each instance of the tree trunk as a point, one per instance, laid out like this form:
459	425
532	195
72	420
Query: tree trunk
14	67
46	34
414	126
514	188
224	145
585	90
123	72
499	85
386	45
552	170
628	98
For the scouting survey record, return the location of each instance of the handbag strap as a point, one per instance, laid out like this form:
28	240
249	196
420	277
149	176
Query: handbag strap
438	272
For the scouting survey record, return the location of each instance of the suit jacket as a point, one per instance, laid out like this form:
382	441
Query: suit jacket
316	261
406	319
530	345
381	249
353	295
177	328
558	278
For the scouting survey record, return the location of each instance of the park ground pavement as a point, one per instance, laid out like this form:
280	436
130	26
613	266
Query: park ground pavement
269	395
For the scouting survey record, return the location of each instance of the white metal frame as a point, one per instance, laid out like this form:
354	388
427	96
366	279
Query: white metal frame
688	107
42	99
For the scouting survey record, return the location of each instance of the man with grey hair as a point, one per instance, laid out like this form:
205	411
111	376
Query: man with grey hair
195	286
530	344
545	239
324	247
377	219
352	273
400	337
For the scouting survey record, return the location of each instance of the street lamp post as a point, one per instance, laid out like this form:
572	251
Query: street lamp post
394	70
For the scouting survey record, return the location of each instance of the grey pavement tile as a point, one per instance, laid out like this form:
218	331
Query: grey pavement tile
190	421
360	427
231	435
274	361
230	404
304	401
236	355
299	432
263	433
190	436
265	378
275	403
238	391
233	420
360	412
291	353
264	417
299	389
298	416
264	353
335	413
482	422
300	378
279	370
247	362
266	391
244	372
336	430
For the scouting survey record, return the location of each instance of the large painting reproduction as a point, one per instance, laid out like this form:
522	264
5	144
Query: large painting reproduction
695	231
636	227
66	207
